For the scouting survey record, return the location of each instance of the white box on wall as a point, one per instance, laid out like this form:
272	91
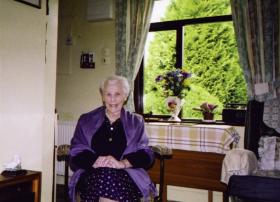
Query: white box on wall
99	10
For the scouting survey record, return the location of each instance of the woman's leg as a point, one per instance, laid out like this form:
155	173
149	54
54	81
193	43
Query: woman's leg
101	199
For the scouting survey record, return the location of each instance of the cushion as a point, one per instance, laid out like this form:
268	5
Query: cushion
269	153
271	114
238	162
255	188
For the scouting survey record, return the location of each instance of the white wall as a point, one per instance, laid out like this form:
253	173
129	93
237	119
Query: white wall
77	89
27	87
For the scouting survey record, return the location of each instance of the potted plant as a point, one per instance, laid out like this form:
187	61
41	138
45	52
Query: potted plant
207	110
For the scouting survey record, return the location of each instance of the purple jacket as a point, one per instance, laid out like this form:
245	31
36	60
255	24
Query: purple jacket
136	137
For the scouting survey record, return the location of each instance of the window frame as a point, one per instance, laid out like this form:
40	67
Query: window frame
178	26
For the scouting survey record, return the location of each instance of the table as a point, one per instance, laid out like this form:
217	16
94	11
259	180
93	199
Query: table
22	188
193	137
198	152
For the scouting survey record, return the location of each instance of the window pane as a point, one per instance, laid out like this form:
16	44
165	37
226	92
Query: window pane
210	54
167	10
160	55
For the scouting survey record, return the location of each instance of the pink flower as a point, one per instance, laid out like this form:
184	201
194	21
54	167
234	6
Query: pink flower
206	107
172	104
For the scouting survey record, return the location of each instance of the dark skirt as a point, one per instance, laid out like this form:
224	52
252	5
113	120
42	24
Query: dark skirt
114	184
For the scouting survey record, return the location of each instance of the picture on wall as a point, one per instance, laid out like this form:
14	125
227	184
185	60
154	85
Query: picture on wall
34	3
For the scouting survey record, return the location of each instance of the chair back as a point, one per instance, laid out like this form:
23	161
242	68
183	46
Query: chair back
255	127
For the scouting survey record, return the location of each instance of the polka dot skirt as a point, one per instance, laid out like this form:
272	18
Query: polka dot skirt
114	184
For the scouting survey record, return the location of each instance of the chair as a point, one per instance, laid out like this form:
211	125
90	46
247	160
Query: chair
161	152
63	155
254	188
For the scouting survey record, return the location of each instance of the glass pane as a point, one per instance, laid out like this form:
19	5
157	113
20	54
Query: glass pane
160	55
210	54
167	10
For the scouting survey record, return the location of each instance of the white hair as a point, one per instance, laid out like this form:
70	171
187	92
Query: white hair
115	79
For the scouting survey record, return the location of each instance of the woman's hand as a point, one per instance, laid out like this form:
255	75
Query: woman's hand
101	161
111	162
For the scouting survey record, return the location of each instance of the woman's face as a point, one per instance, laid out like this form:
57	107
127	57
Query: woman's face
114	97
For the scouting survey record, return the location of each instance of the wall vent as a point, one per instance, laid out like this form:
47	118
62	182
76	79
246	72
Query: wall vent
100	10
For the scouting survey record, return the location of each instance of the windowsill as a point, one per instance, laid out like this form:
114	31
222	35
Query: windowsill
193	121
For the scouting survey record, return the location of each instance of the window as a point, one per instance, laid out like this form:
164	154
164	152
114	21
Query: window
197	36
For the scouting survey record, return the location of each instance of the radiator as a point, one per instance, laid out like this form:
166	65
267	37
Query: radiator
65	131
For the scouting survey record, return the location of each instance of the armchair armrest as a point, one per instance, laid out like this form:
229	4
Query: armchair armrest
238	162
162	151
63	152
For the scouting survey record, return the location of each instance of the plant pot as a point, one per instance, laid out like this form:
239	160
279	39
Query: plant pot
208	116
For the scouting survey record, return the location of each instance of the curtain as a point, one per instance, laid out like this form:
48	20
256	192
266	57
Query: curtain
256	24
132	27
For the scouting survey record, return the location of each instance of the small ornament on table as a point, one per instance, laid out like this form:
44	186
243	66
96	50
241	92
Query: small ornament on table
174	105
13	168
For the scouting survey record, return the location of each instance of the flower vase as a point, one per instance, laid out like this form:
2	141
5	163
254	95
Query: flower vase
174	105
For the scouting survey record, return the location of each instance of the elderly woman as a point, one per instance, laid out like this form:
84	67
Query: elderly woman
109	150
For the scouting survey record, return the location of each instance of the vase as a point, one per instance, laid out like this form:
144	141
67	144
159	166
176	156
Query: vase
174	105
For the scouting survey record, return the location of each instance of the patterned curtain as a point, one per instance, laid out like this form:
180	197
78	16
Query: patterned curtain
132	26
256	24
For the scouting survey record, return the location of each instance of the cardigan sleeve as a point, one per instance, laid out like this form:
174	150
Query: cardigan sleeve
139	159
84	160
